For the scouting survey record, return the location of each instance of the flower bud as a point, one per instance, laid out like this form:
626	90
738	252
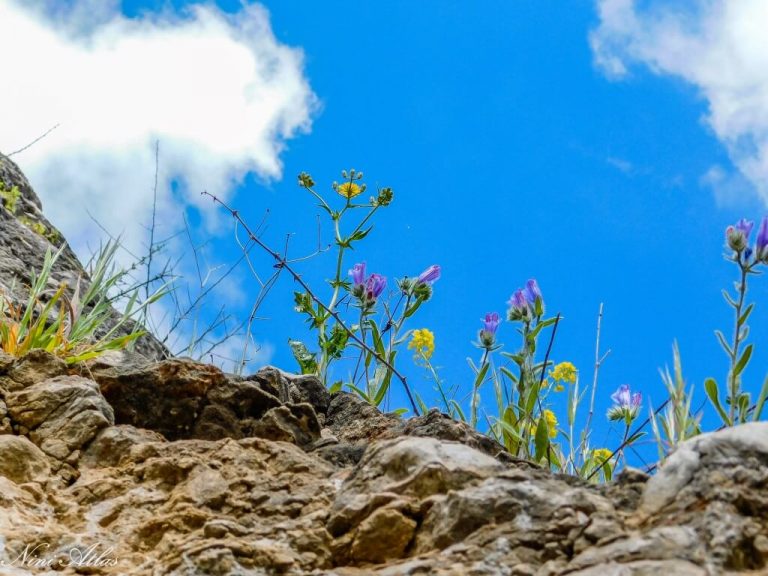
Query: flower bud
761	246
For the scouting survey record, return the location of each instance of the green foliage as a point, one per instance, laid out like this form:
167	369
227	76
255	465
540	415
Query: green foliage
10	197
67	326
677	423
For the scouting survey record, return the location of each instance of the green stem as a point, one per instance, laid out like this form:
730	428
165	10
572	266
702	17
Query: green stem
733	377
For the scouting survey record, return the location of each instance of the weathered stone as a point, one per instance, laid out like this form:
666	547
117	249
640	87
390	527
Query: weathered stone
36	366
166	396
22	461
382	536
62	414
406	468
295	423
112	444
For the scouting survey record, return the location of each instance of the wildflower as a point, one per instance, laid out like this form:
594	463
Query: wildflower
374	286
738	236
358	273
430	275
625	404
423	343
348	189
601	455
422	286
487	335
519	309
563	372
532	292
366	289
761	247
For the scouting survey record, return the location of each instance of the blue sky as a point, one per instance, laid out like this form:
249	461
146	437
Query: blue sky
515	152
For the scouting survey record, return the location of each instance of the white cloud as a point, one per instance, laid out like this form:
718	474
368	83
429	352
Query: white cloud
220	93
718	46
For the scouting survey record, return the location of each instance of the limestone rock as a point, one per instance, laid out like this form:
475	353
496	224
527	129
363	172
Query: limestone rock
22	461
60	415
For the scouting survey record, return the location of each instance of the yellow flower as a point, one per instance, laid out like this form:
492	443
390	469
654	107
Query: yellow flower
423	343
563	372
601	455
348	189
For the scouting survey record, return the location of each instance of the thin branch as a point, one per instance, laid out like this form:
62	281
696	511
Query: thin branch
598	363
35	141
281	263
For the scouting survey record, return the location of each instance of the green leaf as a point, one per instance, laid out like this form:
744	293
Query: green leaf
723	342
359	235
713	393
481	375
336	387
541	325
541	439
360	393
743	318
411	310
400	411
517	358
761	400
334	346
458	409
728	299
742	363
307	361
634	438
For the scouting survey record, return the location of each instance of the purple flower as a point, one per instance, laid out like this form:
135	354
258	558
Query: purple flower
745	226
625	404
430	275
358	273
491	322
738	236
518	302
625	399
374	286
761	247
487	335
532	291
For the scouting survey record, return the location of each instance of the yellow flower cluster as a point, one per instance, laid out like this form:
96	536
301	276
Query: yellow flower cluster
348	189
563	372
423	343
601	455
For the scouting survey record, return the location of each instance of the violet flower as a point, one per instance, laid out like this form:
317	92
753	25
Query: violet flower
761	247
358	273
487	335
532	292
430	275
625	404
374	286
738	236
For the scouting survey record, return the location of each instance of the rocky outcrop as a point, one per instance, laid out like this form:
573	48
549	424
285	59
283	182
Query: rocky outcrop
26	235
136	464
227	475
